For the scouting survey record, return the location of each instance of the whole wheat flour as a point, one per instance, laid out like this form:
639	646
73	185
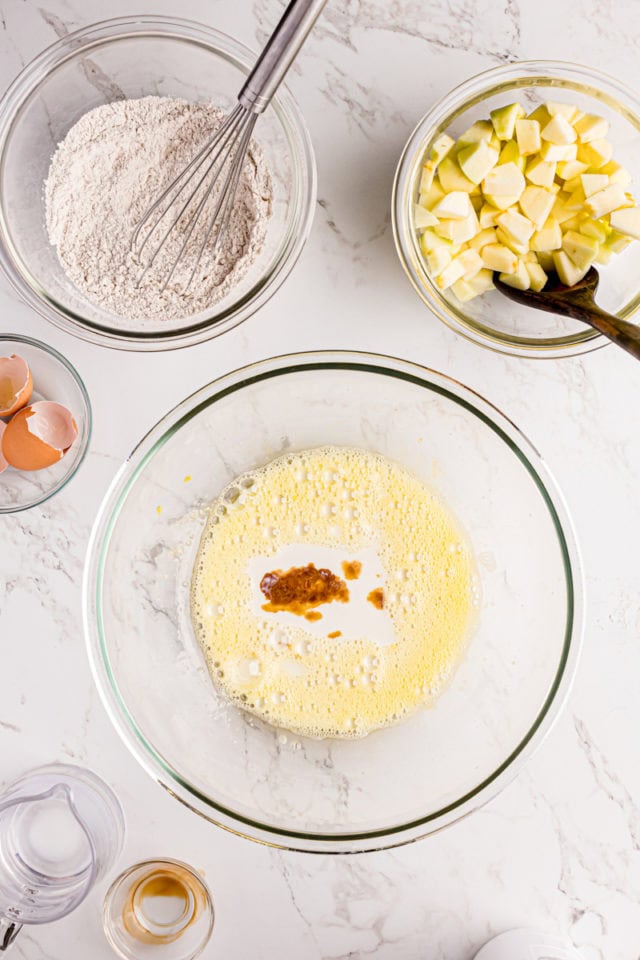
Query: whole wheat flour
110	167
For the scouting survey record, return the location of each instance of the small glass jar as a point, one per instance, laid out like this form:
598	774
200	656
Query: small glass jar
160	909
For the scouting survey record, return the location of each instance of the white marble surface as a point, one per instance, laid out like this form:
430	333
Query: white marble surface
561	847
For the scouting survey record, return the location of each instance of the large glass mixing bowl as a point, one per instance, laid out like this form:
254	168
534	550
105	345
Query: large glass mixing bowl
135	57
399	783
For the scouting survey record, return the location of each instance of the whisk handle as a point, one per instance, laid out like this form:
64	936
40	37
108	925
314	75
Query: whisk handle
279	53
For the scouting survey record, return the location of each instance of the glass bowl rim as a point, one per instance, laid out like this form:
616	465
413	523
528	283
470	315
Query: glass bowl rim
75	376
93	585
302	199
517	74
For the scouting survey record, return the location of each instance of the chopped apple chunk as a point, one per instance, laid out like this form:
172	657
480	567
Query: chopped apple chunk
540	172
487	216
616	173
557	152
428	174
463	290
483	238
481	130
605	201
453	206
423	218
477	160
429	198
589	127
495	256
452	272
537	203
548	238
517	225
595	153
451	176
566	269
627	222
559	131
582	250
566	110
441	147
528	137
505	180
501	202
537	276
519	278
594	182
511	154
504	120
569	169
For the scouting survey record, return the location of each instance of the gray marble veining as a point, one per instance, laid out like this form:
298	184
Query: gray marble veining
560	848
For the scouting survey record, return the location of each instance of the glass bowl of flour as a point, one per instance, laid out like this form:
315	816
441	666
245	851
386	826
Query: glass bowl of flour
90	132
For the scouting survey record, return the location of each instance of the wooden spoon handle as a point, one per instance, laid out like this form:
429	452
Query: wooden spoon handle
626	335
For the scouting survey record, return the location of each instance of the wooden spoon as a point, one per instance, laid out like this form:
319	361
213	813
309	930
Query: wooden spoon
578	302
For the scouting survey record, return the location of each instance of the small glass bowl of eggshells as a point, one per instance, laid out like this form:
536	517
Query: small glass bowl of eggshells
524	171
45	422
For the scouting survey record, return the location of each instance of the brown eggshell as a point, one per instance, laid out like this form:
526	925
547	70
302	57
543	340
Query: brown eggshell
16	384
38	435
3	462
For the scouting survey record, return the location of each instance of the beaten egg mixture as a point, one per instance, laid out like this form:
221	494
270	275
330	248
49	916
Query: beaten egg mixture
332	593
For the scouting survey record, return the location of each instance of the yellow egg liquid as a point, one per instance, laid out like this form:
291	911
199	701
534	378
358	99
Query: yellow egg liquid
366	662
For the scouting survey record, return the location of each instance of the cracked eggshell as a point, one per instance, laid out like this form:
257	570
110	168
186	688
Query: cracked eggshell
38	435
3	462
16	384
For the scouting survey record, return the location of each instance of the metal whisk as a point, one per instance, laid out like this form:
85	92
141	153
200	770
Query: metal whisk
221	159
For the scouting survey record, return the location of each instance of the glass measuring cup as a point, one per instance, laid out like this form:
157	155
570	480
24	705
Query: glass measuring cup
61	828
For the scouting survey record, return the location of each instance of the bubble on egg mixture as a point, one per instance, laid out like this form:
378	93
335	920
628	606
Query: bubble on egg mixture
358	667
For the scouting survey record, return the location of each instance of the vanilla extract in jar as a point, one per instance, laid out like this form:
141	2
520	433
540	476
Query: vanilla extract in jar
160	909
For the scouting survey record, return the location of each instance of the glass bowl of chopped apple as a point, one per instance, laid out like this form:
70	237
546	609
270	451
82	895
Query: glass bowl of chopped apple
524	171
